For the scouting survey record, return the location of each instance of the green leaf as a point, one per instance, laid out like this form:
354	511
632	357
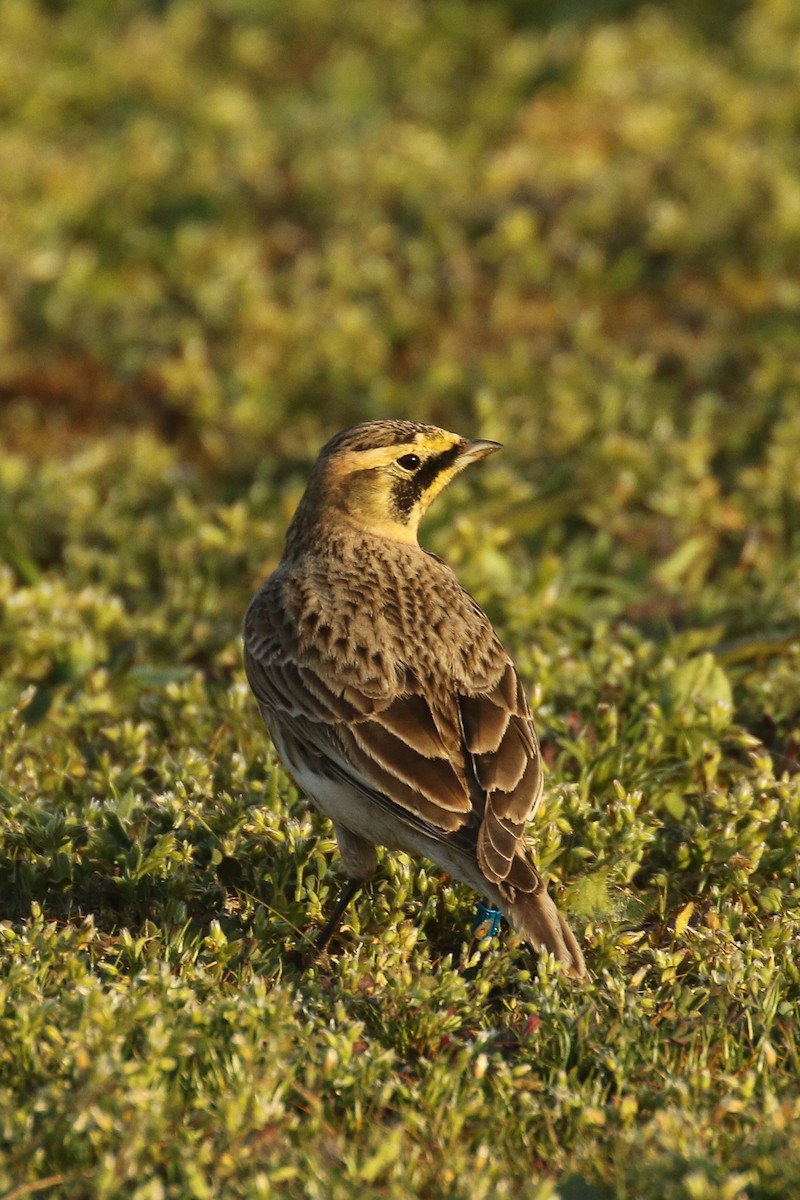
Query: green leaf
10	692
675	805
700	682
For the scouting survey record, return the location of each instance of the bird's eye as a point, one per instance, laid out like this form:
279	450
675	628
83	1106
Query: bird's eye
409	462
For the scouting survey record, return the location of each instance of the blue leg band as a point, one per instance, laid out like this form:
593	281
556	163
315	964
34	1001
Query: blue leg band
487	921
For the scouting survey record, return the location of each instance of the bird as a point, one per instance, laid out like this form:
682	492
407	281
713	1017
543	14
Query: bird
386	691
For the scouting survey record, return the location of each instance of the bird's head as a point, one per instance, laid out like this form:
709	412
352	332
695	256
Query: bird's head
381	476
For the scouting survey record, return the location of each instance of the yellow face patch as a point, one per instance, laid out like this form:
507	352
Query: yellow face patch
387	489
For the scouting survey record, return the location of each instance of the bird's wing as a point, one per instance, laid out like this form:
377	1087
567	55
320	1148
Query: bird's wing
461	764
376	730
501	742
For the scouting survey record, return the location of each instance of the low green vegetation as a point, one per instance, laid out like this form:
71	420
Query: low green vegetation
230	229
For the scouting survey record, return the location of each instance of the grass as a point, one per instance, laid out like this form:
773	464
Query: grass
232	229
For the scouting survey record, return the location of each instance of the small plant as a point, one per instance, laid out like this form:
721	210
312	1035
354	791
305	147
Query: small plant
230	230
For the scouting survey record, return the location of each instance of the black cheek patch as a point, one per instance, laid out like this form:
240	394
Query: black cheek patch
407	492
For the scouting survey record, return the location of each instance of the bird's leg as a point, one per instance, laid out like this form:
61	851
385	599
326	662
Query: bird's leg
346	895
360	862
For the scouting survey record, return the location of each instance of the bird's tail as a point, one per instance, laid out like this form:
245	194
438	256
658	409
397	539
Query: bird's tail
535	916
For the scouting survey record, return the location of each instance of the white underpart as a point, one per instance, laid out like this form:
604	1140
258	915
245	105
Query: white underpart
350	811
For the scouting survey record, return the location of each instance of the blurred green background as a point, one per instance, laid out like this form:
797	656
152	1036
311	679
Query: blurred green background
227	230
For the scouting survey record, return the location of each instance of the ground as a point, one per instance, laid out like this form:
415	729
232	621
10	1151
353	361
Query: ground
231	229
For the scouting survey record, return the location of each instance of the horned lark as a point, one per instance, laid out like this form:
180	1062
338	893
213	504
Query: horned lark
384	687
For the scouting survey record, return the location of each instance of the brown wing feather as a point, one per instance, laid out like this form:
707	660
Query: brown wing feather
389	738
434	777
463	764
499	734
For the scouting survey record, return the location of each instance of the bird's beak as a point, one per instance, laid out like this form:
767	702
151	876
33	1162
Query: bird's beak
475	450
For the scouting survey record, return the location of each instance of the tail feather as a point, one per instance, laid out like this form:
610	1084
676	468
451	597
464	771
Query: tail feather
536	917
